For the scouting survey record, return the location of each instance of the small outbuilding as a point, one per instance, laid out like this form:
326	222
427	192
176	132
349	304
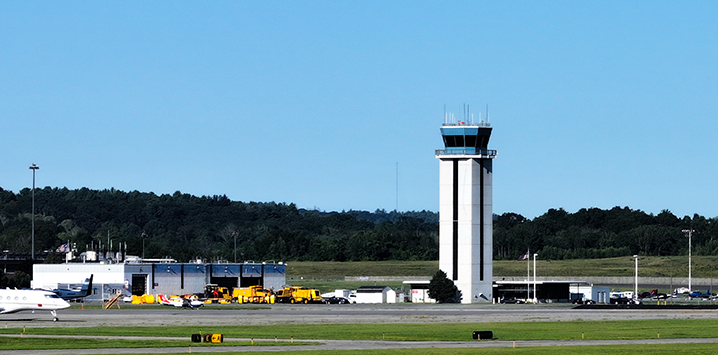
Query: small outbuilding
588	292
395	296
419	291
372	294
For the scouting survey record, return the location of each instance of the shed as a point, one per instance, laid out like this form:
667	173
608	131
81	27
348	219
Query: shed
372	294
598	294
395	296
419	291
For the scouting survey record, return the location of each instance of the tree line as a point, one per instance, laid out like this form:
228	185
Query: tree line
595	233
186	227
215	228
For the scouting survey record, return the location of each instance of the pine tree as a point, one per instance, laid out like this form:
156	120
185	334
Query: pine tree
442	289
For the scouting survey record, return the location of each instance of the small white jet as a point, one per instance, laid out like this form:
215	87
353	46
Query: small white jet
179	302
13	301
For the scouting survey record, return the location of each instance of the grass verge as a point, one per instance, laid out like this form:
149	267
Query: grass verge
650	266
633	329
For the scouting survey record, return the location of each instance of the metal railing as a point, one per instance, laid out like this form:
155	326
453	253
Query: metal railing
484	153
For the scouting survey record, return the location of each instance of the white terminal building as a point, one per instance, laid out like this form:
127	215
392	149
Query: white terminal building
465	209
136	276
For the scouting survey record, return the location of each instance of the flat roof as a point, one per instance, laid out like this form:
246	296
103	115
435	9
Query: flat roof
417	282
539	282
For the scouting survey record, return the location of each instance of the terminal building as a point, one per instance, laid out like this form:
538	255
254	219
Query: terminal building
156	276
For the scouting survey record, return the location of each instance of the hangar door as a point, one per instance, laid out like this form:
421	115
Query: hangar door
251	275
139	284
229	282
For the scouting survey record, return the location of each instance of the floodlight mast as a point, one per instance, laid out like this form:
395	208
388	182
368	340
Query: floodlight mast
635	291
535	299
689	233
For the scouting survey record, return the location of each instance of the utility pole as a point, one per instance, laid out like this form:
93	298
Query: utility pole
33	167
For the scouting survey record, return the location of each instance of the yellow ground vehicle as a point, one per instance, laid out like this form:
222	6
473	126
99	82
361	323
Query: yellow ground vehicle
252	294
298	295
216	294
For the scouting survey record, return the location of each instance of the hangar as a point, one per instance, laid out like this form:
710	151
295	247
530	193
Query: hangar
157	276
547	291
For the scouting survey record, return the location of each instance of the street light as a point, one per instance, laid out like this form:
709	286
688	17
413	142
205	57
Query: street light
535	299
635	294
33	167
144	235
234	233
689	232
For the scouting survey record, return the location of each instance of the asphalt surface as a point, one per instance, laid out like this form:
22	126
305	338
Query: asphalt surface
348	313
363	345
353	313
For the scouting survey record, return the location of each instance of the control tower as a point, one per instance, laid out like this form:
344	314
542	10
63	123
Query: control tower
465	209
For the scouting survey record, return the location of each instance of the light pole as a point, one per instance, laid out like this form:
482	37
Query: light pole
143	244
33	167
635	291
535	299
689	232
235	246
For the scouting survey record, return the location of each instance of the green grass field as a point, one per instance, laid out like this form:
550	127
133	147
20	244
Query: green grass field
667	349
521	331
328	276
650	266
634	329
49	343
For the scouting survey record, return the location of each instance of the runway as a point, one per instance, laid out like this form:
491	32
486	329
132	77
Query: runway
348	313
343	314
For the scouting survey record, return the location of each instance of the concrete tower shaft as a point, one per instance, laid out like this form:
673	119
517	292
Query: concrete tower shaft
465	209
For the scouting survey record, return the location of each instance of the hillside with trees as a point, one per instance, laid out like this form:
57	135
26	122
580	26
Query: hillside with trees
185	227
594	233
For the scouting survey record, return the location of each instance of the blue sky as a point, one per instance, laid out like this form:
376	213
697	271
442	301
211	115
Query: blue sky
593	104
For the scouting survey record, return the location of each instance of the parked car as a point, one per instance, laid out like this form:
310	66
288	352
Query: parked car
511	301
336	300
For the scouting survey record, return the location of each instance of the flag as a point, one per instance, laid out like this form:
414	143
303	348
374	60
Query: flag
63	248
525	256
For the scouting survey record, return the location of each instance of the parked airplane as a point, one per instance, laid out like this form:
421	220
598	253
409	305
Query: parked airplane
699	294
179	302
653	295
12	301
84	291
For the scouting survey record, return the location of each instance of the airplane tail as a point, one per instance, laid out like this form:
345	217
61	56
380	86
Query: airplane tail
163	299
87	287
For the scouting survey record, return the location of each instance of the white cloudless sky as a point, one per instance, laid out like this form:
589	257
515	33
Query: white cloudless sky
593	104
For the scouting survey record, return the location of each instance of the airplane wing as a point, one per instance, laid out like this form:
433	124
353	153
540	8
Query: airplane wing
9	309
